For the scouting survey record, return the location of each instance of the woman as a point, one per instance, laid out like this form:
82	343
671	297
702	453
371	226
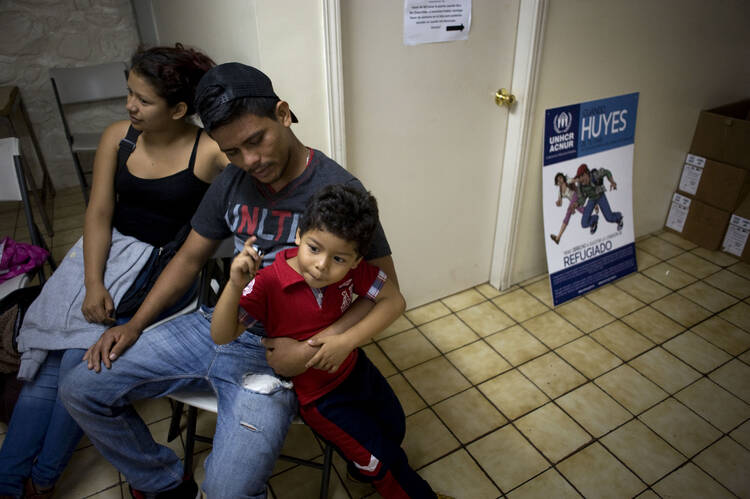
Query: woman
150	174
570	192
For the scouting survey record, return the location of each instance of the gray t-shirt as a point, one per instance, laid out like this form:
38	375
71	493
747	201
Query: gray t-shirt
237	204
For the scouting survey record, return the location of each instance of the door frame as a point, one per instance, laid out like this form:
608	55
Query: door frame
528	48
528	51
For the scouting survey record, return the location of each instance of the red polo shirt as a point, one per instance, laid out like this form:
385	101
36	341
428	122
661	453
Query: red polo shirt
286	305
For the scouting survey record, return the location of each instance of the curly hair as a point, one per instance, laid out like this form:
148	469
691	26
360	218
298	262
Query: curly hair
344	211
173	71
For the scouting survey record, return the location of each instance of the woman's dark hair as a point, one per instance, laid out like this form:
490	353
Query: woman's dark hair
173	71
344	211
560	174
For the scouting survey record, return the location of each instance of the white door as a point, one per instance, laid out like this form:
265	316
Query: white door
424	134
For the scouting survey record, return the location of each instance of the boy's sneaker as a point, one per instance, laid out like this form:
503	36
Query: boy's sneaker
619	224
594	225
188	489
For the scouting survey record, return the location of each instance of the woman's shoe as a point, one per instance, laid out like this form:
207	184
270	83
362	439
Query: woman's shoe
30	491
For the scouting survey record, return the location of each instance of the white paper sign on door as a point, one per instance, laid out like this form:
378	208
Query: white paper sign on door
429	21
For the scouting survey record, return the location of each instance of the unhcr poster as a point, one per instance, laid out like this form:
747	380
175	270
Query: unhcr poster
587	184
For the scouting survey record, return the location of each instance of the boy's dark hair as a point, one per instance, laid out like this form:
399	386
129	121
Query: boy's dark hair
174	72
344	211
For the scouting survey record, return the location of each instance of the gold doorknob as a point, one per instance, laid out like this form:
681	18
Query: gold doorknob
504	98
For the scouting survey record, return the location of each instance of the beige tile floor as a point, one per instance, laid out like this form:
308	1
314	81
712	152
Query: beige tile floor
639	388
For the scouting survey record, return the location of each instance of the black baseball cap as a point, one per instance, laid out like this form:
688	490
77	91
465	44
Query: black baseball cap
237	81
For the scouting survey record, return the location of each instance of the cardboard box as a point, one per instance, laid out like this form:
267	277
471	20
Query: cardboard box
723	134
736	238
717	184
697	222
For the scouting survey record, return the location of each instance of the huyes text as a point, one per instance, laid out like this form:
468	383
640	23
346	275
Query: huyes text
596	124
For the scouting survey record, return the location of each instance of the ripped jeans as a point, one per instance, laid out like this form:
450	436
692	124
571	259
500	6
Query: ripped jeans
180	355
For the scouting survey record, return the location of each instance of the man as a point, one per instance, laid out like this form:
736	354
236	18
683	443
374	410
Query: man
261	193
593	194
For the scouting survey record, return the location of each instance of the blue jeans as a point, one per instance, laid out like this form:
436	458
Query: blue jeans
40	429
180	355
588	219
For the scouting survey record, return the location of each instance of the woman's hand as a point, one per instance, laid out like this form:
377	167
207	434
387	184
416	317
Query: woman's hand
98	306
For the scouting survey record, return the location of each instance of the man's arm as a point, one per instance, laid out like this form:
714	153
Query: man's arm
389	304
288	357
612	183
174	281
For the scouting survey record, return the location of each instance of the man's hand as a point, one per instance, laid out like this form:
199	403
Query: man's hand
112	343
287	356
98	306
332	352
612	185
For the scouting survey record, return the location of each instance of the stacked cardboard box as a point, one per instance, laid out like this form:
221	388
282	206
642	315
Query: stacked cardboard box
715	179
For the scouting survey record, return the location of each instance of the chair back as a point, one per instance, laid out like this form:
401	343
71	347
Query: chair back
10	184
13	187
89	83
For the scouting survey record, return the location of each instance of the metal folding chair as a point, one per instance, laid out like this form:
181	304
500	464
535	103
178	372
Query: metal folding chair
81	85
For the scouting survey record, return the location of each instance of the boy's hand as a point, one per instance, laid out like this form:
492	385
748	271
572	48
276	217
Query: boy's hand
245	265
333	351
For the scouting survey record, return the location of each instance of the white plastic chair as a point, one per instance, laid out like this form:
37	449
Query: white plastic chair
81	85
13	188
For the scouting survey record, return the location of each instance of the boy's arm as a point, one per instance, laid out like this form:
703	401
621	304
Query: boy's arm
389	304
225	326
225	323
290	357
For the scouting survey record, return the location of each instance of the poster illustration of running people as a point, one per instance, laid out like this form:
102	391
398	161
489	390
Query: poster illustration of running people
587	184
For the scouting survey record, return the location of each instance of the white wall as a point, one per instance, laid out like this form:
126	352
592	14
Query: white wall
283	38
681	55
38	35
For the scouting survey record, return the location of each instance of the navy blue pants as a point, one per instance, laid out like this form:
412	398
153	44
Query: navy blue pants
364	420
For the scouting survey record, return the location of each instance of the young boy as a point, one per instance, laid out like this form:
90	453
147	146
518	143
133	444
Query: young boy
342	395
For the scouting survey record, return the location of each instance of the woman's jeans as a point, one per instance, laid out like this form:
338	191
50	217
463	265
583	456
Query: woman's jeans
27	449
42	436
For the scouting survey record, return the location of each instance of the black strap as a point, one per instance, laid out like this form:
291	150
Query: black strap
191	163
127	146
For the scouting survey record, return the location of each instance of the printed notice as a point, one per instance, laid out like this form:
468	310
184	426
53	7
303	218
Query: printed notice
736	236
429	21
694	160
691	177
678	212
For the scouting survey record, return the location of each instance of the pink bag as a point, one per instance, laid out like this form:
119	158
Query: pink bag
19	258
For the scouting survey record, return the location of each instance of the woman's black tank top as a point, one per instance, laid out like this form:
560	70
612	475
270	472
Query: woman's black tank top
154	210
